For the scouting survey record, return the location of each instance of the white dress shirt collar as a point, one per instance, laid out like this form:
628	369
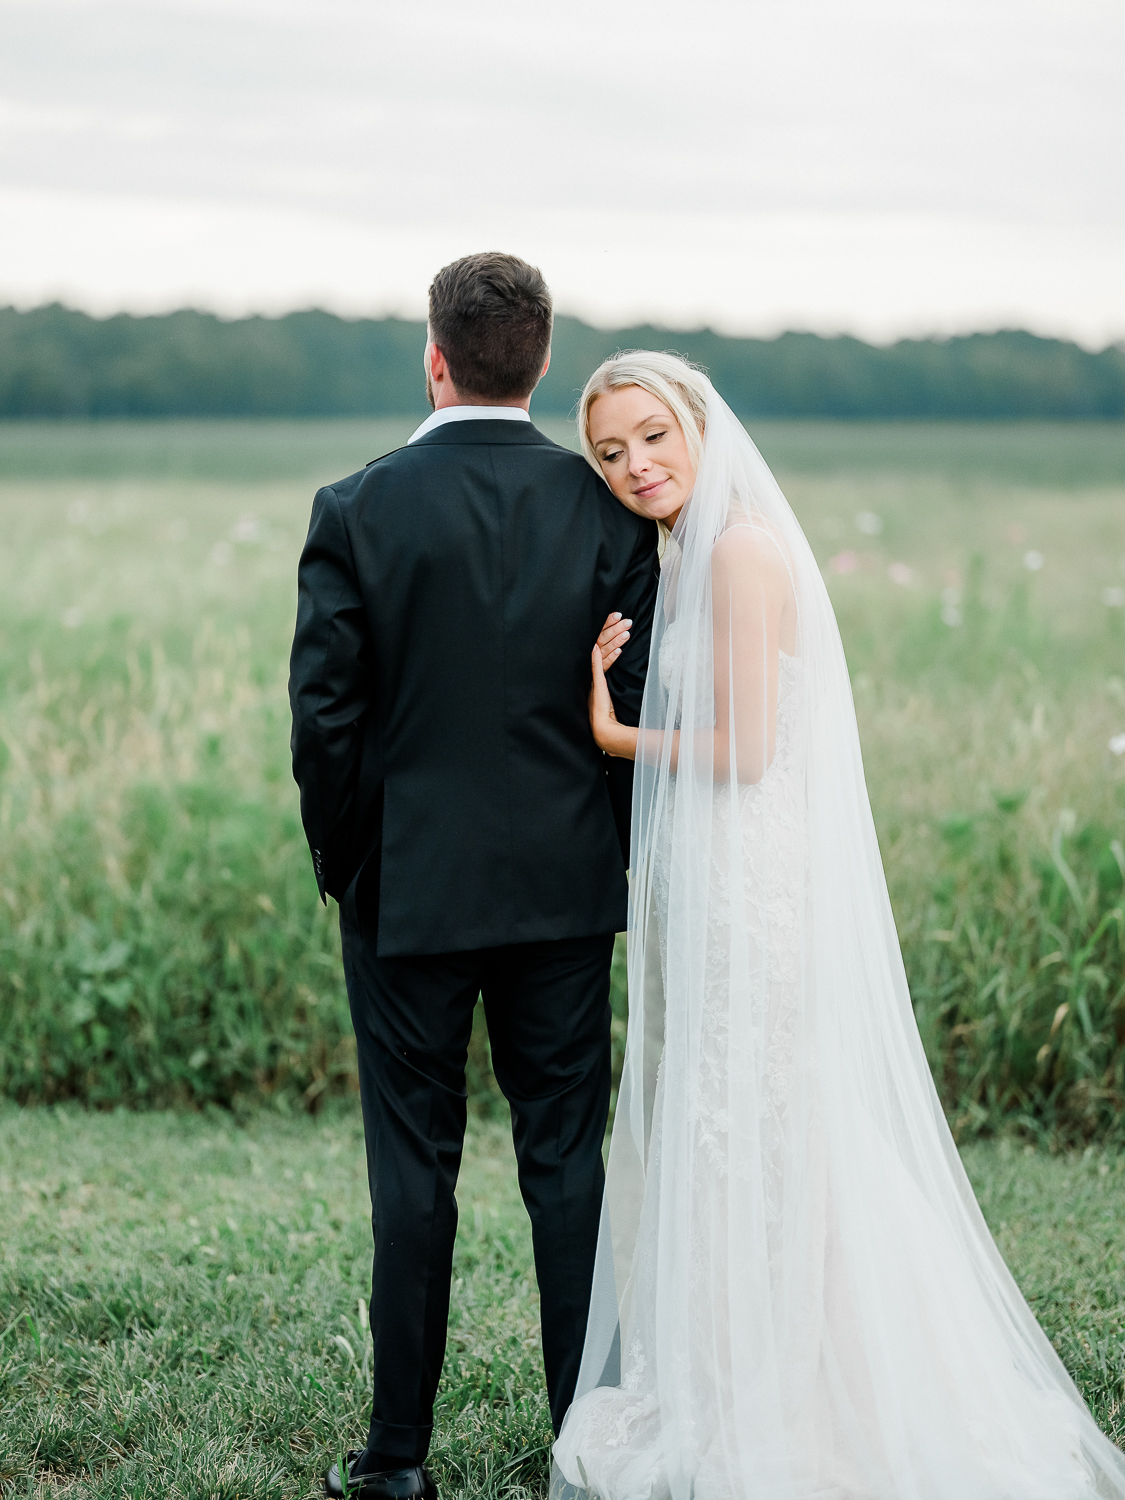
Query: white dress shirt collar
470	414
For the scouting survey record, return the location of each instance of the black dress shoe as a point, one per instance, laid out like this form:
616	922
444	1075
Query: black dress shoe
391	1484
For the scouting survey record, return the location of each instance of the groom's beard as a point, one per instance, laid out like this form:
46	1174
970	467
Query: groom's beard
430	392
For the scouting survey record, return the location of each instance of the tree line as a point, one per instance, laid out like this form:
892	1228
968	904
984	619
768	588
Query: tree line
59	362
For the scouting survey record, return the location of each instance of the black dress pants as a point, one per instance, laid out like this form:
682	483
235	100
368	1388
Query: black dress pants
547	1007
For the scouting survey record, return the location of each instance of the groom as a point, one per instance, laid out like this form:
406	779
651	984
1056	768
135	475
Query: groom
474	836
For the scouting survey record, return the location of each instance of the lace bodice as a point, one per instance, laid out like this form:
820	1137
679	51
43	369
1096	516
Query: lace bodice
788	676
765	911
746	1040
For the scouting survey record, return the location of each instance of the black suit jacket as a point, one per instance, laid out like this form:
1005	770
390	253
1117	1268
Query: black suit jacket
449	598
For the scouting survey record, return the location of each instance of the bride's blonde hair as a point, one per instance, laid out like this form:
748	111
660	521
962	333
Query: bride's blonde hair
681	386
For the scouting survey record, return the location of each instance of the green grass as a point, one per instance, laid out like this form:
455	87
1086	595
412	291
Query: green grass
999	806
160	939
179	1294
180	1302
180	1309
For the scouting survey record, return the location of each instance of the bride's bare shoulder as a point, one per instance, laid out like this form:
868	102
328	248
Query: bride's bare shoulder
754	551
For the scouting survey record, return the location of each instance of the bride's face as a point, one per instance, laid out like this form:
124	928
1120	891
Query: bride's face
642	452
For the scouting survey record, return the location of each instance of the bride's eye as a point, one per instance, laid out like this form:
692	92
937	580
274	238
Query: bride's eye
654	437
612	456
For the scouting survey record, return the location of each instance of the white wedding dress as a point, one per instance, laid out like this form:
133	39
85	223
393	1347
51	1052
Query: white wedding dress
796	1297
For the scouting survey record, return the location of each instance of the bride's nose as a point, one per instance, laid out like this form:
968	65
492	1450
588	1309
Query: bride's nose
638	461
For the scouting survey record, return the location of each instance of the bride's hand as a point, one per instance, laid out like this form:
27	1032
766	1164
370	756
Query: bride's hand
603	720
615	632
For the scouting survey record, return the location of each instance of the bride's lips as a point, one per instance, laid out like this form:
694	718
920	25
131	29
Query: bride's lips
650	489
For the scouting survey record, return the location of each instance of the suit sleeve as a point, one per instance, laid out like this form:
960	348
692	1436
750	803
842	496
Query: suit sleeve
626	678
330	688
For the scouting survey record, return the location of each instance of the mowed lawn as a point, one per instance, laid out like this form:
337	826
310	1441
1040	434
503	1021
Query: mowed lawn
182	1309
181	1302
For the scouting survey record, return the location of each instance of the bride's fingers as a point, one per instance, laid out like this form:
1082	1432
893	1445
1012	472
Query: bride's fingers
613	637
613	629
615	641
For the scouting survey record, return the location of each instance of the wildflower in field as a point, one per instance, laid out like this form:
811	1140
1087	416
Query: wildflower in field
1033	561
951	605
1117	744
901	573
844	562
72	617
869	523
1114	597
246	529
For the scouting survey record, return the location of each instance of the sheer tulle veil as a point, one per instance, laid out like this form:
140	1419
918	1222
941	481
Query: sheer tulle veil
796	1296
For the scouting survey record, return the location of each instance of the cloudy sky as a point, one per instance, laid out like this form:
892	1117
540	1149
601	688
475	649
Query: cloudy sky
877	166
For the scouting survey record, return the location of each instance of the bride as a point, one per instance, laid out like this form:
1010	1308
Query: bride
796	1296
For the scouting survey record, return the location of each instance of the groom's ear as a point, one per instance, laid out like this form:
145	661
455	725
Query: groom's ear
437	367
546	364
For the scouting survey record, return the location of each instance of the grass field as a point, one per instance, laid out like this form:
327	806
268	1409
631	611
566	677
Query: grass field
180	1302
160	940
179	1293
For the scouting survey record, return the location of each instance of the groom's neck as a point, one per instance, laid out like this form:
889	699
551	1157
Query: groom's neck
448	395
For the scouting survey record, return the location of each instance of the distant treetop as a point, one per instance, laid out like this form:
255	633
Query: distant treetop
58	362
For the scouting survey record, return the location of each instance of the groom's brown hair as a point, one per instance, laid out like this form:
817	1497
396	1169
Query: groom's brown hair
490	315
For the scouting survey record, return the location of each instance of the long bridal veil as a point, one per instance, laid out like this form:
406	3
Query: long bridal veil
796	1296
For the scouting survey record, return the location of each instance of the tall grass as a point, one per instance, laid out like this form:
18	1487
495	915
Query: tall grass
160	937
987	702
1010	912
158	940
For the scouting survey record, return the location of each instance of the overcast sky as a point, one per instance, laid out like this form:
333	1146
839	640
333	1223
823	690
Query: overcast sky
876	166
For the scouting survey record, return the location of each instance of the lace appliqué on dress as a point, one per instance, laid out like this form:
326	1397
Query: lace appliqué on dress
746	1039
753	957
